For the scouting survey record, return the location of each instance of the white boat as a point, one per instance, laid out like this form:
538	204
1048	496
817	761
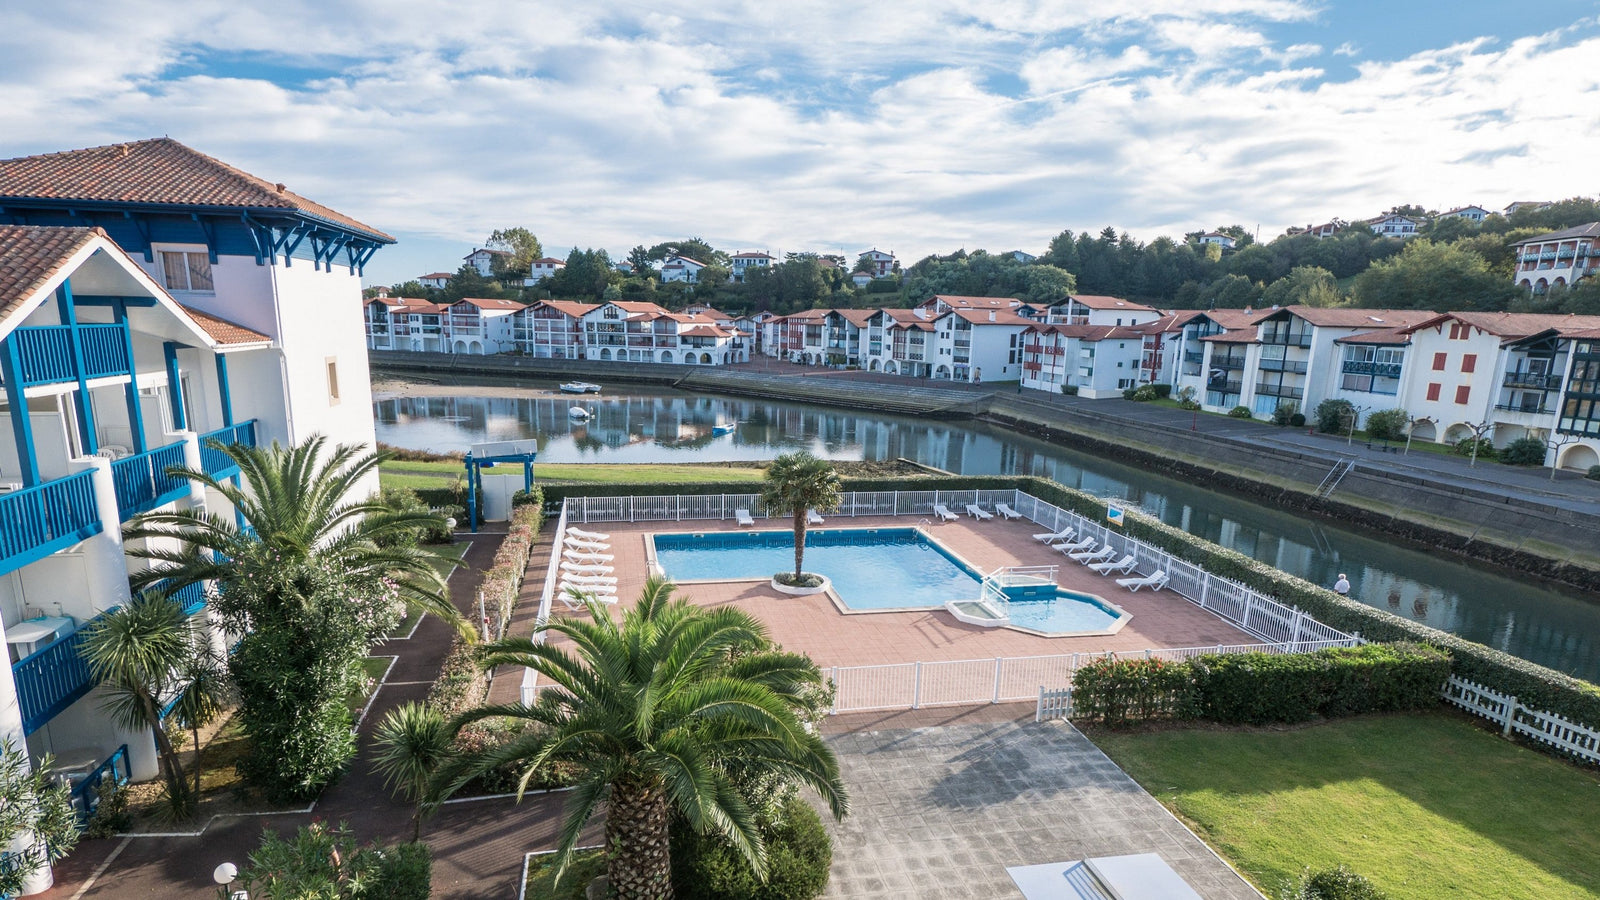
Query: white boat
580	387
578	412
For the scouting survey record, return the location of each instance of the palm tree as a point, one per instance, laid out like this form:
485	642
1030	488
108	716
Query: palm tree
654	713
203	694
295	507
795	483
413	742
138	652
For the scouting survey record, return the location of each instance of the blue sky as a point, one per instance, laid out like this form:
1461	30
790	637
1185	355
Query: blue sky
817	124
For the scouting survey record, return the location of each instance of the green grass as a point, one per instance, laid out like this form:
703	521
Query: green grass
586	866
373	668
1425	805
415	475
455	552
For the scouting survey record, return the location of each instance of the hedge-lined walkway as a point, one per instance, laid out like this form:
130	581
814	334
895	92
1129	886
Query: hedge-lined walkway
477	845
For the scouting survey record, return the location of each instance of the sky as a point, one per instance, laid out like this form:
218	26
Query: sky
913	127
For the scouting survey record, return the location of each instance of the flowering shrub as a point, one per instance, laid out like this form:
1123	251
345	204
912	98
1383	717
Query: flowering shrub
1118	693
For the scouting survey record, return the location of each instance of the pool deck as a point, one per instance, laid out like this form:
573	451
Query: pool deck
815	626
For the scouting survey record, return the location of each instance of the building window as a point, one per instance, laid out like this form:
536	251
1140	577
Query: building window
1438	362
1433	391
1469	362
333	381
1461	394
186	270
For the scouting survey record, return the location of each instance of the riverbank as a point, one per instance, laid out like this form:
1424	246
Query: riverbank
1499	514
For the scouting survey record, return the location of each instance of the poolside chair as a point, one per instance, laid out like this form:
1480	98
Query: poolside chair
943	513
589	579
576	569
744	518
590	546
1087	543
1094	556
976	511
1122	566
588	535
813	517
1064	534
1155	580
1007	511
578	556
573	595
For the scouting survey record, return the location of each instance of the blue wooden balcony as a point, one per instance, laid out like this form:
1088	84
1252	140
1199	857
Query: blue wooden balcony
46	518
44	353
86	793
142	481
215	462
51	679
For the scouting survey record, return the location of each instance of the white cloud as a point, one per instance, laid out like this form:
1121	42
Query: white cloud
917	127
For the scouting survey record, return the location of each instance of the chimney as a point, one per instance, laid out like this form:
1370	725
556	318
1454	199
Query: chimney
279	186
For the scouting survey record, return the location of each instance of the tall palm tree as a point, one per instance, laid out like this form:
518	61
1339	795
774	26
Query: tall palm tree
654	712
296	505
138	652
413	742
203	693
795	483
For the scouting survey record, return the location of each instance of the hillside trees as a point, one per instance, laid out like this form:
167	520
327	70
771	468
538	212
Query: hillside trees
1433	276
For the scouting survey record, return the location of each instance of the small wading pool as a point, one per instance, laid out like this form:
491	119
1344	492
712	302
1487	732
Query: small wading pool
872	569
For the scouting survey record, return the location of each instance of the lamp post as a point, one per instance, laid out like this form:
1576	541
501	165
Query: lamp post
225	875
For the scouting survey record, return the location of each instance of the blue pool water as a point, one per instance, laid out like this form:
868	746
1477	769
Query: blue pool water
871	569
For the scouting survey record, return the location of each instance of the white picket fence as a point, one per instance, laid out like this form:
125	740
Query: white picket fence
529	689
1567	736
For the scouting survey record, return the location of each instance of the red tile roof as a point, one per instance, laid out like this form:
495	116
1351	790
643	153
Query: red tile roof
705	331
1511	326
958	302
571	307
491	303
1096	301
223	331
989	316
1381	336
31	255
1353	317
1239	336
445	275
157	172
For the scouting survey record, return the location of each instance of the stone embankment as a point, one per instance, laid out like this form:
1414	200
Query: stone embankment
1487	515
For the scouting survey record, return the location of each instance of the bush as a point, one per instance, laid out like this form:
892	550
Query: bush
1388	424
798	856
1240	412
401	499
1263	688
1163	391
1594	473
1071	390
1486	449
1525	451
1284	415
1298	420
1333	416
1332	884
324	863
1142	394
1118	693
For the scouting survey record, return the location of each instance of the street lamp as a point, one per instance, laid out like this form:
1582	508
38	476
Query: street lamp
225	875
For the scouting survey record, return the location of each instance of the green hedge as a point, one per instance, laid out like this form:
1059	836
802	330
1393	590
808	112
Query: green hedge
1532	684
799	852
1140	690
555	493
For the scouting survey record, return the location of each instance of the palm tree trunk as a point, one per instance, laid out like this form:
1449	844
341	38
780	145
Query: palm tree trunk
196	730
799	541
639	866
177	785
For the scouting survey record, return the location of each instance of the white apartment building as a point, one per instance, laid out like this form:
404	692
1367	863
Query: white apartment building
151	298
681	268
745	261
1092	309
1395	226
483	259
471	326
436	280
625	331
882	263
1098	360
1558	258
548	329
976	344
542	268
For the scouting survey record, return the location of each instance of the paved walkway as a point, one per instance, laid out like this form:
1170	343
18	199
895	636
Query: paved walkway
941	812
477	845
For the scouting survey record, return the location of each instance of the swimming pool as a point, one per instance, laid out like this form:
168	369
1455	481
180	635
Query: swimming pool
873	569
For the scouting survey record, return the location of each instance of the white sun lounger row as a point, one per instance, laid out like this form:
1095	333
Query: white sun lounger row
1155	580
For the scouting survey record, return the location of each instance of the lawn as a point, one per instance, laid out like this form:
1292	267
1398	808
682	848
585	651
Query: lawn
416	475
454	551
1425	805
586	866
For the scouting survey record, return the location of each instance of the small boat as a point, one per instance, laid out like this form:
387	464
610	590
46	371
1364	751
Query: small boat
578	412
580	387
720	430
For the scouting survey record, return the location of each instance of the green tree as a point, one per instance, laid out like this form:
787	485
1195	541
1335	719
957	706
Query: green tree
1303	286
639	259
653	712
694	248
138	653
523	247
413	743
1047	284
204	691
323	862
1232	292
412	288
797	482
468	283
1388	424
312	580
1433	276
1334	416
32	802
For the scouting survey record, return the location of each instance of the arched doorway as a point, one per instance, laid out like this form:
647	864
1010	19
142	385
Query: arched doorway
873	367
1424	431
942	372
666	356
459	347
1580	457
1457	433
889	368
705	358
605	353
475	348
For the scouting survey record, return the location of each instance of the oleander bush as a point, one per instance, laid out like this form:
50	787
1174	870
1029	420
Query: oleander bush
1283	415
1333	416
1525	451
1388	424
1485	446
1163	391
1594	473
1298	420
1240	412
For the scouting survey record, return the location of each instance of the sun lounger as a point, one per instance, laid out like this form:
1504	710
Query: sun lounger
744	518
589	579
576	569
1156	580
1064	534
944	513
813	517
1007	511
587	535
977	512
583	558
1122	566
1087	543
589	546
1094	556
574	595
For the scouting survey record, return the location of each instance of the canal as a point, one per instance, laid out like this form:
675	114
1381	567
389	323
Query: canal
1550	625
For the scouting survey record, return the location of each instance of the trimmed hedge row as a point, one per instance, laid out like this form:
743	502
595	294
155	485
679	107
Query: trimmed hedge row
1262	688
503	582
1532	684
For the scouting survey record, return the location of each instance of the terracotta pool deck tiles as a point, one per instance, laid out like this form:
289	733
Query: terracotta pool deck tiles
815	626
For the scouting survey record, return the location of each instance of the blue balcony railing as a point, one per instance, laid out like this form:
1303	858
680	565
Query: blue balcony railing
192	596
216	463
38	521
52	679
142	482
86	794
45	352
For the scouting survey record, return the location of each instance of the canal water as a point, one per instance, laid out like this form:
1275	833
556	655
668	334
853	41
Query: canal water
1550	625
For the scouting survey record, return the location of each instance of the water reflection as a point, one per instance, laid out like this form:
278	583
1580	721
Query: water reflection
1550	626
